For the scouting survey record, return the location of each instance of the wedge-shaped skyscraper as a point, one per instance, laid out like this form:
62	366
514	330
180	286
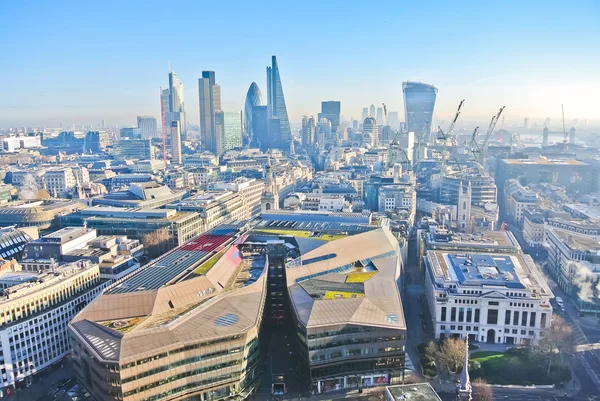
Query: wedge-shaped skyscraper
276	108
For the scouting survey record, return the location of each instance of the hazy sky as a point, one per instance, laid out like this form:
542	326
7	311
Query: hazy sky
82	61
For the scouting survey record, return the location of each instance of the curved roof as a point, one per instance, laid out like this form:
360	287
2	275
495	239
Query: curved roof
370	120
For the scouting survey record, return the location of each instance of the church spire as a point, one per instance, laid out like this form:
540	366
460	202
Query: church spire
463	387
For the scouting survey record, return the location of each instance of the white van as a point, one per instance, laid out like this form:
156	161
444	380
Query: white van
559	301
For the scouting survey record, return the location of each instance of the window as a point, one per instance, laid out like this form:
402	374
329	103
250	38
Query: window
443	327
532	319
460	327
461	314
469	314
492	316
443	314
452	327
543	320
524	319
516	318
493	303
476	315
507	317
453	314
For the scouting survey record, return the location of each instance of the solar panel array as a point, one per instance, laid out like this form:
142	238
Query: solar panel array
177	262
351	228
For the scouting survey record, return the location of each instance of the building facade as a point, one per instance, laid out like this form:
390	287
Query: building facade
276	107
209	103
419	103
253	98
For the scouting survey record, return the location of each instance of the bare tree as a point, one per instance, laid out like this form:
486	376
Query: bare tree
481	390
556	343
451	354
156	241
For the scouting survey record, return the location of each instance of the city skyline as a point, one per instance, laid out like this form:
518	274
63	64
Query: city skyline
523	63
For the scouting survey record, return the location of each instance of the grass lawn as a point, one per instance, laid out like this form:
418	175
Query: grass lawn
206	266
514	367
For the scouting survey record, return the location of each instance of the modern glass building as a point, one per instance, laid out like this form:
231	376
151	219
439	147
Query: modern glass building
276	108
232	130
419	101
253	98
210	103
331	110
177	103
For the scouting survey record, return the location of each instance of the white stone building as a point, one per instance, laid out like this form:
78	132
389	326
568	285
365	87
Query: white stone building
490	297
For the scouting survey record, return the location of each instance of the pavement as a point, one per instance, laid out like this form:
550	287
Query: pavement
45	382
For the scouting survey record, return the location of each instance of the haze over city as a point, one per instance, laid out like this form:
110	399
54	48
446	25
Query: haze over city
83	62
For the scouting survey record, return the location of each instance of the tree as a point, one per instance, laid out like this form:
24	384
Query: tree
481	390
156	241
432	352
451	354
556	343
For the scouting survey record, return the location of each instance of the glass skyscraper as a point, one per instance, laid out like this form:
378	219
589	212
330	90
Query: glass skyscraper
331	110
210	103
419	101
253	98
276	108
176	103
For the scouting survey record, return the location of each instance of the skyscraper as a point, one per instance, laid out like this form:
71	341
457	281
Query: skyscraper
380	116
365	114
308	130
372	110
177	102
370	131
393	120
147	125
331	110
260	127
176	156
165	111
419	102
276	108
210	103
253	98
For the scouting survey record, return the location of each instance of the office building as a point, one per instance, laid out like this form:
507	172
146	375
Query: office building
419	102
224	282
228	130
308	130
379	116
393	120
40	213
253	98
372	110
96	141
260	128
215	207
165	112
331	110
148	127
34	315
210	103
177	103
137	149
176	156
365	114
136	223
130	133
140	193
370	132
13	241
486	294
276	108
573	263
14	143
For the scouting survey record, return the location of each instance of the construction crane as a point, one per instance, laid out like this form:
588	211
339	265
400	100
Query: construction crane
500	131
384	113
445	136
565	140
480	150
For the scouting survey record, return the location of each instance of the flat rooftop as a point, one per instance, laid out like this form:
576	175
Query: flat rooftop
413	392
66	234
175	265
482	269
577	242
543	162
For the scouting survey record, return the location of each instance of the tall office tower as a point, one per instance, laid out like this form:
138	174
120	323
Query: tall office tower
365	114
372	111
331	111
165	111
572	136
229	130
276	108
370	131
393	120
177	102
147	125
380	118
130	133
176	156
210	103
308	130
526	123
253	98
342	133
419	101
260	127
355	124
324	128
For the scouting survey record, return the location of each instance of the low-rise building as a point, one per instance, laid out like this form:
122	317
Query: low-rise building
41	213
147	195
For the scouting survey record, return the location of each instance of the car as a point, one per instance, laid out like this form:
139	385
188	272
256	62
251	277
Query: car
559	301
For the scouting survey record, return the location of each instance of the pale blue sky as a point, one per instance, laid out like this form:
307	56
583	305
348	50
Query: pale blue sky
81	61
